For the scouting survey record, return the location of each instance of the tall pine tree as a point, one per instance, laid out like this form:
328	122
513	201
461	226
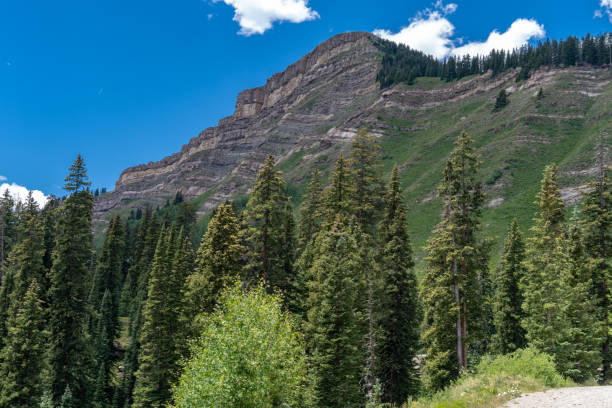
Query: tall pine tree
508	301
71	362
596	223
268	213
456	267
399	315
23	356
217	263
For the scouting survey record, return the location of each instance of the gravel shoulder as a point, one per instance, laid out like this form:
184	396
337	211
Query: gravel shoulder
591	397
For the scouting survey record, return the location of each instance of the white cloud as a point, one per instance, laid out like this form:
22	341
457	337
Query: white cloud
20	193
431	35
257	16
432	32
519	33
2	178
606	7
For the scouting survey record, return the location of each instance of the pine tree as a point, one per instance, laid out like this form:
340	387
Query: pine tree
400	317
163	315
336	198
335	323
310	213
104	348
8	226
267	212
71	362
107	278
508	301
217	262
23	356
544	322
366	188
596	222
501	101
456	267
585	334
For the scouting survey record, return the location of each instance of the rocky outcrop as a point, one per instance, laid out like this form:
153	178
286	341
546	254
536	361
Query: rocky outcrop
297	106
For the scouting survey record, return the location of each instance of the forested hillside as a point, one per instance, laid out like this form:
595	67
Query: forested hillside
423	233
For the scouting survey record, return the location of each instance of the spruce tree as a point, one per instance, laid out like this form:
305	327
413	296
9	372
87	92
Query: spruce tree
335	322
596	223
71	362
217	262
310	213
508	301
336	198
456	267
104	349
399	314
109	270
544	321
23	356
585	334
366	188
267	213
164	322
8	226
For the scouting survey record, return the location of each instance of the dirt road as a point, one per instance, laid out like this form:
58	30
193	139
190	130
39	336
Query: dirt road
587	397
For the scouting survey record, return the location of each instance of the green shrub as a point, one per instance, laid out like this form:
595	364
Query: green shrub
528	363
497	379
248	356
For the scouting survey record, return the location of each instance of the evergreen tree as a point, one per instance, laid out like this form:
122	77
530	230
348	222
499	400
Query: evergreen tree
335	318
71	362
501	101
217	262
49	215
104	348
8	226
310	213
596	222
508	301
585	335
366	188
400	317
544	322
336	198
267	213
108	274
163	315
23	356
456	268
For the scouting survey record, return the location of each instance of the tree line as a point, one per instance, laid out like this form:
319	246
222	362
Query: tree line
400	63
123	327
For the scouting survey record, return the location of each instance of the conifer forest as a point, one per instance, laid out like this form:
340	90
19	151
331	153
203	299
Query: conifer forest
324	300
276	307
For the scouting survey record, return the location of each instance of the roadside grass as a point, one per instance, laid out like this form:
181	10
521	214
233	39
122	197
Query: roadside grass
497	380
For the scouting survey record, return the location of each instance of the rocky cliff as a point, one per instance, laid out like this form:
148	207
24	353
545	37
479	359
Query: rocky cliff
293	108
305	115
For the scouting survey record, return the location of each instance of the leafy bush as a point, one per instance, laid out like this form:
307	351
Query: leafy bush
248	356
497	379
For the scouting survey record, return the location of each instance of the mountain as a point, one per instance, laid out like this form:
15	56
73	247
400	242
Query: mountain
306	115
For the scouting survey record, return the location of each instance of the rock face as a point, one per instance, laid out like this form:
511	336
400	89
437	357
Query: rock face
305	116
294	108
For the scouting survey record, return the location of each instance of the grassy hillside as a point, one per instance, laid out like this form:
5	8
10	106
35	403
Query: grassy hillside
515	144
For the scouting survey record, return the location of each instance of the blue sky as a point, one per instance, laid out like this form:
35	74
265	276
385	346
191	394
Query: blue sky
127	82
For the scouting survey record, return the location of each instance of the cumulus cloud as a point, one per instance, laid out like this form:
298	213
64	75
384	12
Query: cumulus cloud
606	7
257	16
519	33
20	193
432	32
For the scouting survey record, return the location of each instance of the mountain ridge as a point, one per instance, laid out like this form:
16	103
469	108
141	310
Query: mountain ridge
306	114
